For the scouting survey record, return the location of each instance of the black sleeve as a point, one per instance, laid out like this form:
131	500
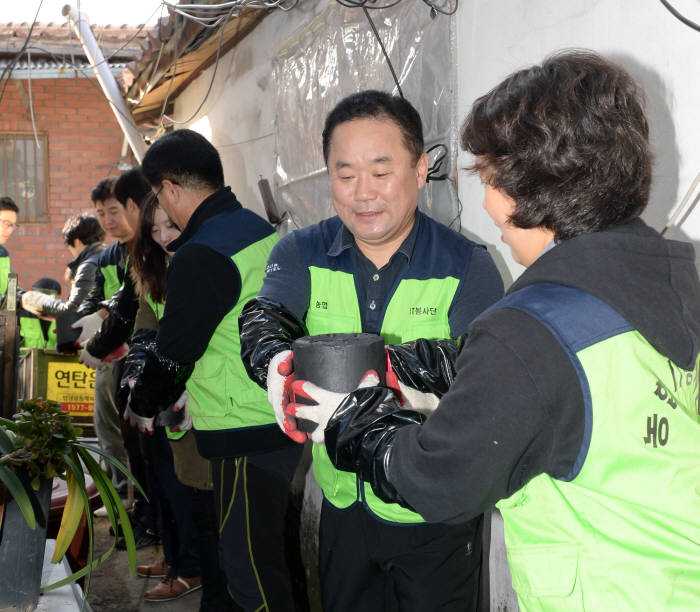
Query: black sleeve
271	322
95	294
203	287
482	287
426	365
81	289
266	328
117	327
286	278
515	410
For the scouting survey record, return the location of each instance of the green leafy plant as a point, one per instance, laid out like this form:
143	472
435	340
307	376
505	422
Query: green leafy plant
42	441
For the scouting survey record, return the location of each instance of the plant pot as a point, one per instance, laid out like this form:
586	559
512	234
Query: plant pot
22	553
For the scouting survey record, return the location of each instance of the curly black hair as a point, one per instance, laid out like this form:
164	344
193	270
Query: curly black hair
568	140
84	227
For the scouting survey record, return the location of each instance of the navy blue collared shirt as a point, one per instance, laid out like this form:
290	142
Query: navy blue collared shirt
288	282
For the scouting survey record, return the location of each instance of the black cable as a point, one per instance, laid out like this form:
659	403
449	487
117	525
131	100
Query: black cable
677	15
363	4
437	164
458	216
87	75
211	82
434	9
386	55
13	61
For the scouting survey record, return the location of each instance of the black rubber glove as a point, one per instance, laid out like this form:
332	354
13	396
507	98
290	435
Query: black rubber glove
426	365
117	327
266	328
360	436
158	381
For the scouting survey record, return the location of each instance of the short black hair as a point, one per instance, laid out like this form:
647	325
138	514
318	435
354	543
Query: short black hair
104	190
48	284
373	104
7	203
132	184
84	227
185	158
568	140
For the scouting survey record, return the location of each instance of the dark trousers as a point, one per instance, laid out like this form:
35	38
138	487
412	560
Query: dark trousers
251	496
180	533
370	565
215	595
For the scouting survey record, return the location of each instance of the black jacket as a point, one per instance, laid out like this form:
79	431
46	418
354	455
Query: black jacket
515	409
113	255
83	269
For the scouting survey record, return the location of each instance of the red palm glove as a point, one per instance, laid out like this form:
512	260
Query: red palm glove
392	381
280	375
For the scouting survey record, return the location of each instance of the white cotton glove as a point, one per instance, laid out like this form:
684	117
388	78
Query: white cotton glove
326	403
181	406
89	324
92	362
425	403
33	301
409	398
143	424
279	377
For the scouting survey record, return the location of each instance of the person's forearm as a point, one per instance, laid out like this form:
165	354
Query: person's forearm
266	328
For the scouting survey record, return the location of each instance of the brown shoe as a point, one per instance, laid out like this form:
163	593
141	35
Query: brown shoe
172	587
157	569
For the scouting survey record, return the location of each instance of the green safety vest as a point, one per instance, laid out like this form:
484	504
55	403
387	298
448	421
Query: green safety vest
33	336
221	395
4	270
622	531
417	309
112	282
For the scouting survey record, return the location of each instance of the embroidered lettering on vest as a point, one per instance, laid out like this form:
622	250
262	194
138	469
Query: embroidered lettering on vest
421	311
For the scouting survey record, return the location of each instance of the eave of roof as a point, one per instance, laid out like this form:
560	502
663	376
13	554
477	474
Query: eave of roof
175	52
120	44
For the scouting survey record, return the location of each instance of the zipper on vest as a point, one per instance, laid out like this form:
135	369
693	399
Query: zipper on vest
360	489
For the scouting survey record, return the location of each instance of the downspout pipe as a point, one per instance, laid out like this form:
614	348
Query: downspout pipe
81	26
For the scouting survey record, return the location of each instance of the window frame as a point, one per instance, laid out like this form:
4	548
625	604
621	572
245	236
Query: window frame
41	212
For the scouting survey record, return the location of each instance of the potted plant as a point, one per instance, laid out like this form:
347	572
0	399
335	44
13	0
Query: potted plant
40	444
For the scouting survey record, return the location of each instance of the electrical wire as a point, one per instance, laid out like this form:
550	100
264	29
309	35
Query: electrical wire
435	8
31	99
436	166
221	13
677	15
386	55
88	76
13	62
211	82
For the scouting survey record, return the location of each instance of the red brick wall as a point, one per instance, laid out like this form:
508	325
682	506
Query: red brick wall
84	142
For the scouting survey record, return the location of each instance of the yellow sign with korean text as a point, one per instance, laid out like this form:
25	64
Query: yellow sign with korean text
71	384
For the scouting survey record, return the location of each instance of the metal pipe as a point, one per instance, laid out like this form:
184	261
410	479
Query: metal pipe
81	27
